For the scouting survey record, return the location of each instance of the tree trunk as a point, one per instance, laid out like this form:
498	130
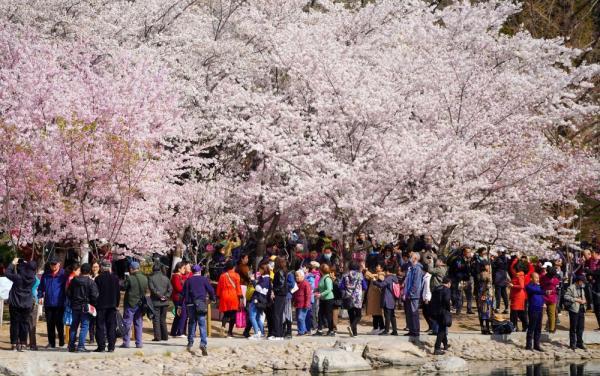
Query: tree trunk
443	245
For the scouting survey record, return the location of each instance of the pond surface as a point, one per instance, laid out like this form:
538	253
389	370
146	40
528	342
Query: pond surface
504	368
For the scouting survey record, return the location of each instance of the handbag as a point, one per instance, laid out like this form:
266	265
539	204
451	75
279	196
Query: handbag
145	303
68	315
201	306
447	318
120	327
240	319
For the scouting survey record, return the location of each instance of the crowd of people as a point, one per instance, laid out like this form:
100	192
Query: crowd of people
307	284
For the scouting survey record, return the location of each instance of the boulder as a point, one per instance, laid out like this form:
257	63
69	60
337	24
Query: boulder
451	364
398	354
338	360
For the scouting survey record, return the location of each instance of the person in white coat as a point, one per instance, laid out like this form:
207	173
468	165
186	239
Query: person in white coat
426	296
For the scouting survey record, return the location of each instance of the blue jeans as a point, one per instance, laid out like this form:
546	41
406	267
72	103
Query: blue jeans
194	318
255	314
308	322
79	317
301	319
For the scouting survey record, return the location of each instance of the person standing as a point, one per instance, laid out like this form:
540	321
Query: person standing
549	283
82	293
135	286
20	300
33	318
178	327
259	300
160	290
426	296
575	303
280	291
440	311
518	297
325	296
301	298
109	297
196	291
535	300
413	287
374	299
352	285
388	300
485	295
51	293
229	292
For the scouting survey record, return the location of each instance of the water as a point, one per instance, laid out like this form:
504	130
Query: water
504	368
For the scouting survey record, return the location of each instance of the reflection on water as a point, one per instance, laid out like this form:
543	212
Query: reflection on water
494	368
543	369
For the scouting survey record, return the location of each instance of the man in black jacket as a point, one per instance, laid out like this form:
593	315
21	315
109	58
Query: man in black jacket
82	292
440	312
106	307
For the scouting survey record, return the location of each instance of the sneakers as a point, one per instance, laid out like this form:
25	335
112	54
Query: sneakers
189	347
255	337
275	338
331	334
318	333
203	350
438	352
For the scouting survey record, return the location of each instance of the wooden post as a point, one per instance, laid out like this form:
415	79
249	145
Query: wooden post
208	321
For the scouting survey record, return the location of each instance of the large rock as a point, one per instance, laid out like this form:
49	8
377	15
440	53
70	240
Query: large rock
398	354
338	360
450	364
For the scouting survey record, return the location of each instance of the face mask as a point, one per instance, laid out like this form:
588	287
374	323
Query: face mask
271	265
327	256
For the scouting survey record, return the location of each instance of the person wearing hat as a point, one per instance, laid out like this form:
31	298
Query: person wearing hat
196	290
135	286
109	296
575	302
51	293
160	290
20	300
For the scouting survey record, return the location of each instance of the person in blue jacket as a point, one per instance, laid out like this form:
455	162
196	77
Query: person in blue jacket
51	292
413	288
535	300
388	300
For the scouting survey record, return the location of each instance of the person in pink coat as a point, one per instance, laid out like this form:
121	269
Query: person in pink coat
549	283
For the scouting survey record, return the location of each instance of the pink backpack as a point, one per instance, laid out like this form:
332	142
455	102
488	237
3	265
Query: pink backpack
396	290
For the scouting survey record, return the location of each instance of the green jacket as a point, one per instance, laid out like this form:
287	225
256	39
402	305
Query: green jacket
326	288
133	290
437	275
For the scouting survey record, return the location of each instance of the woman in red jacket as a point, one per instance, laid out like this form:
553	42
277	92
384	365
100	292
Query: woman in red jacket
301	299
177	280
521	275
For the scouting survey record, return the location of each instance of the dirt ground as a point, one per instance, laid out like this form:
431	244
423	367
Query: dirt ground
462	323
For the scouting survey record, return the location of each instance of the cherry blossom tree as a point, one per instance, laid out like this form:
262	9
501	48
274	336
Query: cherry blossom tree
392	116
94	126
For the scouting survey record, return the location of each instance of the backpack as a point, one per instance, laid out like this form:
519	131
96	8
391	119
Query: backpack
337	292
396	290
